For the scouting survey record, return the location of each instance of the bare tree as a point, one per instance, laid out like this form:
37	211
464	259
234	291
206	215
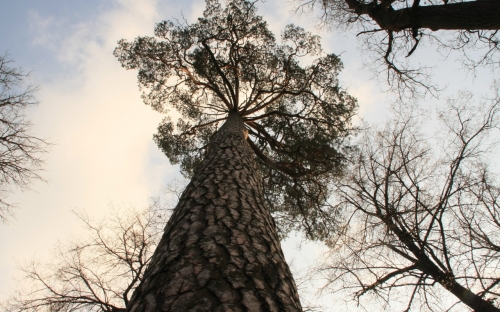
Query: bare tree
20	151
98	272
422	219
391	32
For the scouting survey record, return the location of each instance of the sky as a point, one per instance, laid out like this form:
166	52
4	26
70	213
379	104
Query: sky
101	133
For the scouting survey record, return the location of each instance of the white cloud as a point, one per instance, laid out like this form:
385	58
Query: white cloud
40	26
102	132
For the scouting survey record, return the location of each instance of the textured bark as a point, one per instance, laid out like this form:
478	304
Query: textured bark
473	15
220	250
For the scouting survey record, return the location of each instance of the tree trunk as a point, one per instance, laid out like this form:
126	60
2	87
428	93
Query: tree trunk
471	15
220	250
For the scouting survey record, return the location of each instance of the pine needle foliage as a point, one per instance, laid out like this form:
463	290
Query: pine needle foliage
297	116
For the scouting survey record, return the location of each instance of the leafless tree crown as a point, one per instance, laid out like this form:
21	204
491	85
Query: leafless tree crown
391	31
99	271
422	219
20	150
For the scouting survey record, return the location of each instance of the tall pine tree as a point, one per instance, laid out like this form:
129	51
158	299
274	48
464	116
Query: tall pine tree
281	144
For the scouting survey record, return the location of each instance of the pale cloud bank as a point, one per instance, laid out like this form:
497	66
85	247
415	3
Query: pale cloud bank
102	133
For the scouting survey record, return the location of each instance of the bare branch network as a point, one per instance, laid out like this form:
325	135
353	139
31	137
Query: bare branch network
20	150
423	219
99	271
391	31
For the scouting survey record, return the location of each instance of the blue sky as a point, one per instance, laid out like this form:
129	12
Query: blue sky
90	108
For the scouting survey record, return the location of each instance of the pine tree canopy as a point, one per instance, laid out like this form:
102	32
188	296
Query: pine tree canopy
298	118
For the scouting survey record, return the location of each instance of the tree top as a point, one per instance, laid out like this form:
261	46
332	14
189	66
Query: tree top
297	116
